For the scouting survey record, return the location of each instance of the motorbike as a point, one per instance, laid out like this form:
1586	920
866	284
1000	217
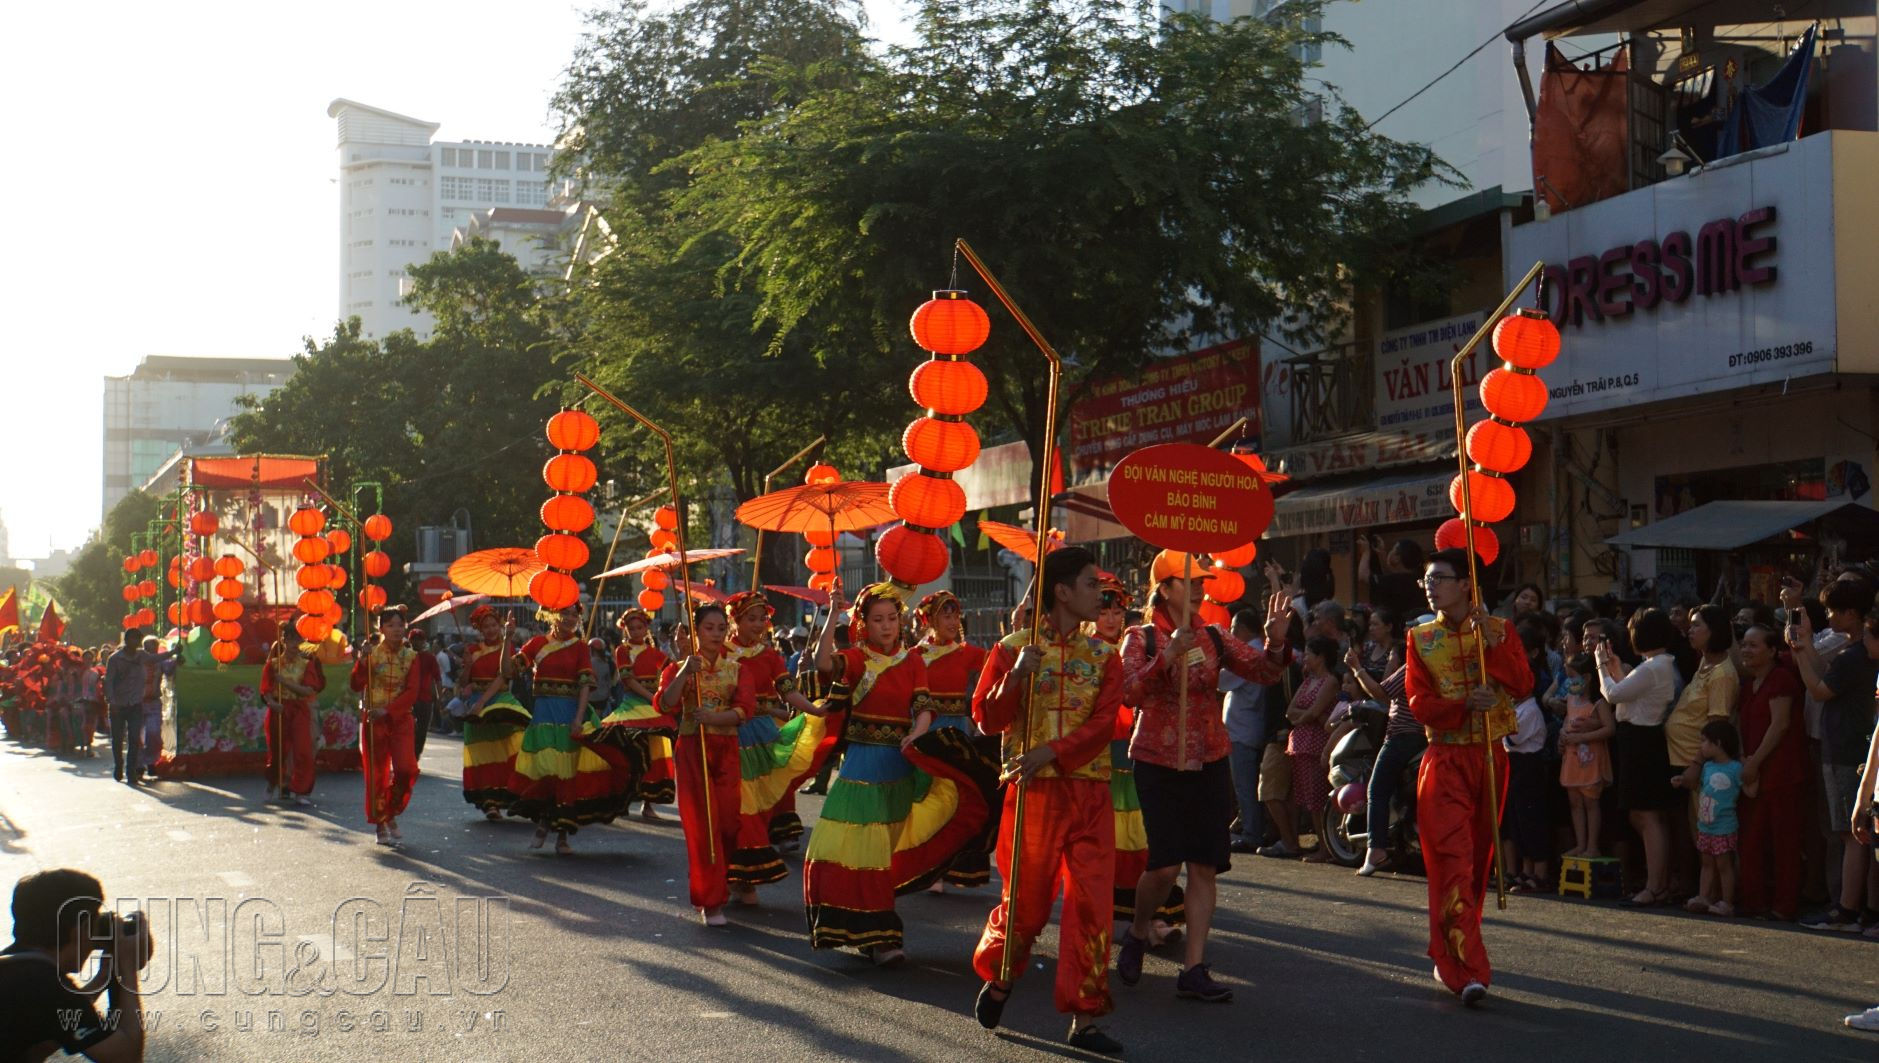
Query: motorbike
1343	821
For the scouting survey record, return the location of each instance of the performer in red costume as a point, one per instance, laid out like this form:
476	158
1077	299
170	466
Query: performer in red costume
640	661
1057	748
289	683
710	693
493	725
389	683
952	674
1457	818
562	780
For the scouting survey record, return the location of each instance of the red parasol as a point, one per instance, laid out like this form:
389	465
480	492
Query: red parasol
1020	541
704	592
667	560
445	606
846	505
819	599
503	572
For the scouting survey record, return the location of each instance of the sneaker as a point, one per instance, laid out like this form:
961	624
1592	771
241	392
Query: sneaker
1129	957
303	801
1867	1020
1195	983
1091	1038
1473	993
1834	918
1723	909
988	1009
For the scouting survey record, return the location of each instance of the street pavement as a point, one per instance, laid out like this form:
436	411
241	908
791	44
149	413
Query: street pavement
605	959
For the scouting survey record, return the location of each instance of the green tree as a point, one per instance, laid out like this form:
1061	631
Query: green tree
90	595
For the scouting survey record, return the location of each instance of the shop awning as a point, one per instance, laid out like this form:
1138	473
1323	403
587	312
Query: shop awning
1731	524
1363	452
1417	496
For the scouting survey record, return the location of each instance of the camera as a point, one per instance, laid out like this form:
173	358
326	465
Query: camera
111	924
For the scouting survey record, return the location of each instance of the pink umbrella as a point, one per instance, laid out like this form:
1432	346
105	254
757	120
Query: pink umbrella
445	606
819	599
666	560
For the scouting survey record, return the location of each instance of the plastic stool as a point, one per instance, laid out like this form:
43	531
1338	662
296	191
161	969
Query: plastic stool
1589	875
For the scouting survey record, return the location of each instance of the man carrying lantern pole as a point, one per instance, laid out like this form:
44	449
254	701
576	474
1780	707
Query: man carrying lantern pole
289	681
388	685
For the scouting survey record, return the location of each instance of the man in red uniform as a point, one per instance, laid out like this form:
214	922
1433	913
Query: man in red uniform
1057	749
290	681
1456	812
388	681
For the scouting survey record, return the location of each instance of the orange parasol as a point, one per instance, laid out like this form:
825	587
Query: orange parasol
846	505
663	561
455	601
503	572
1020	541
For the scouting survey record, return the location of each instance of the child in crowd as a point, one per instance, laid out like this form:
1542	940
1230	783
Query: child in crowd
1719	774
1585	765
1526	823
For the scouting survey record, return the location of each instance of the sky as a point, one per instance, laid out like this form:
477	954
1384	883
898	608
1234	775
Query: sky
172	174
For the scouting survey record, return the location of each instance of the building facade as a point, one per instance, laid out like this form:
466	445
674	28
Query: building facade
170	402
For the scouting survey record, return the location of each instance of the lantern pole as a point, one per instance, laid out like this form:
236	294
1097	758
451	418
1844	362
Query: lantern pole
1232	430
691	623
1474	574
1046	466
593	611
756	561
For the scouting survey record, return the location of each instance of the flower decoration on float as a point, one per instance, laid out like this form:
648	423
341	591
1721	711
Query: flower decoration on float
1526	341
570	474
948	327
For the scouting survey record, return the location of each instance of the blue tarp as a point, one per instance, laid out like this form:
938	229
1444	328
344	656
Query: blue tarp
1770	113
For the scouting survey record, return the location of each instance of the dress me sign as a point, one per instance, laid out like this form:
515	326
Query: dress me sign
1726	255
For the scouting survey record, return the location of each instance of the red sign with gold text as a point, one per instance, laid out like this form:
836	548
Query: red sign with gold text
1172	400
1183	496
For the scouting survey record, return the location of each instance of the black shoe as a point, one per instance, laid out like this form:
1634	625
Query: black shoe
117	773
1245	847
1834	918
1093	1039
1196	984
1473	993
1129	958
988	1009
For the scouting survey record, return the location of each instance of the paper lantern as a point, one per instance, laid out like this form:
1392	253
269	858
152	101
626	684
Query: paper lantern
228	609
1227	586
570	473
819	537
567	513
654	579
942	446
334	613
148	558
651	601
565	552
312	551
1499	447
1453	535
1240	556
315	603
573	430
372	598
228	566
1492	496
228	588
928	501
1526	339
1212	612
950	323
314	577
227	630
663	540
130	563
912	556
336	577
377	564
948	386
131	593
203	523
146	617
199	612
1513	396
377	527
821	473
821	559
225	652
313	628
306	521
553	590
201	570
665	518
822	581
147	588
175	614
339	539
174	577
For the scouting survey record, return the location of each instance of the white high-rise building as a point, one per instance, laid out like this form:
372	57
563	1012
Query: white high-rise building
170	402
402	195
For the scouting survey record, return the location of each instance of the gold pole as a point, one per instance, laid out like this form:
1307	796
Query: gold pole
1474	575
756	561
1047	465
678	533
1232	430
593	611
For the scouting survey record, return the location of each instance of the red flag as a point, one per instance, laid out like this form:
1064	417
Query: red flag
50	626
10	611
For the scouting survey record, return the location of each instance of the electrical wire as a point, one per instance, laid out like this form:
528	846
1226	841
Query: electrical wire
1497	35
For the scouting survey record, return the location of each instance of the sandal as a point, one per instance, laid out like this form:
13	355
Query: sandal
541	835
1647	898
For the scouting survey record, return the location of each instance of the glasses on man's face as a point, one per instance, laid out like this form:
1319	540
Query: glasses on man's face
1430	581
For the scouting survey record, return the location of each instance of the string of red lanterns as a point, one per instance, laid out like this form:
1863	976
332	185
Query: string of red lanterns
653	582
374	564
317	605
228	609
823	560
570	474
1498	447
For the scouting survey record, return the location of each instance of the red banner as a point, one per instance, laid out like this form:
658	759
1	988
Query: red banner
1182	496
1192	398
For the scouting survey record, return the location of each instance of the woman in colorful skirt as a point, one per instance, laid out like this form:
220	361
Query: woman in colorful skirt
906	800
952	674
710	693
563	781
1131	835
639	662
775	753
493	725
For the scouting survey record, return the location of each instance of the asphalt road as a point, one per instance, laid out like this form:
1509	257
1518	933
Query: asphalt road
604	958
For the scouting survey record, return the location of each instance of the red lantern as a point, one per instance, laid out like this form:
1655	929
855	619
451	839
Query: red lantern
1227	586
1453	535
377	564
570	473
131	593
821	559
927	501
228	588
130	563
316	603
950	323
312	551
946	386
1240	556
314	577
942	446
1492	496
147	588
225	651
1498	447
313	628
203	523
306	521
651	601
201	570
566	552
665	518
377	527
174	577
822	581
567	513
339	539
372	598
334	614
228	609
654	579
199	612
553	590
1513	396
226	630
146	617
228	566
819	538
148	558
1212	612
911	555
1526	339
336	577
175	614
821	473
573	430
664	541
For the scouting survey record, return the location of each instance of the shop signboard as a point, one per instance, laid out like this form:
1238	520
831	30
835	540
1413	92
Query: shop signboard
1411	374
1188	399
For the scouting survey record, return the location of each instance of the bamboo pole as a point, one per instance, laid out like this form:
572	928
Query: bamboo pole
756	561
593	611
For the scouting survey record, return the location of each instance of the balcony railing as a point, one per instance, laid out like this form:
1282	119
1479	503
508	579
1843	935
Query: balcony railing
1330	393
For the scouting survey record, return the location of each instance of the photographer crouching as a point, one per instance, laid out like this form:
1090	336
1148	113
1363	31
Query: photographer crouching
58	922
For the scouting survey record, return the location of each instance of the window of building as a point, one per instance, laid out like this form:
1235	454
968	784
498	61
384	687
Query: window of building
449	156
485	159
502	160
456	187
531	193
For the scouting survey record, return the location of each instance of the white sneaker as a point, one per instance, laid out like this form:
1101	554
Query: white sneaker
302	801
1867	1020
1473	993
